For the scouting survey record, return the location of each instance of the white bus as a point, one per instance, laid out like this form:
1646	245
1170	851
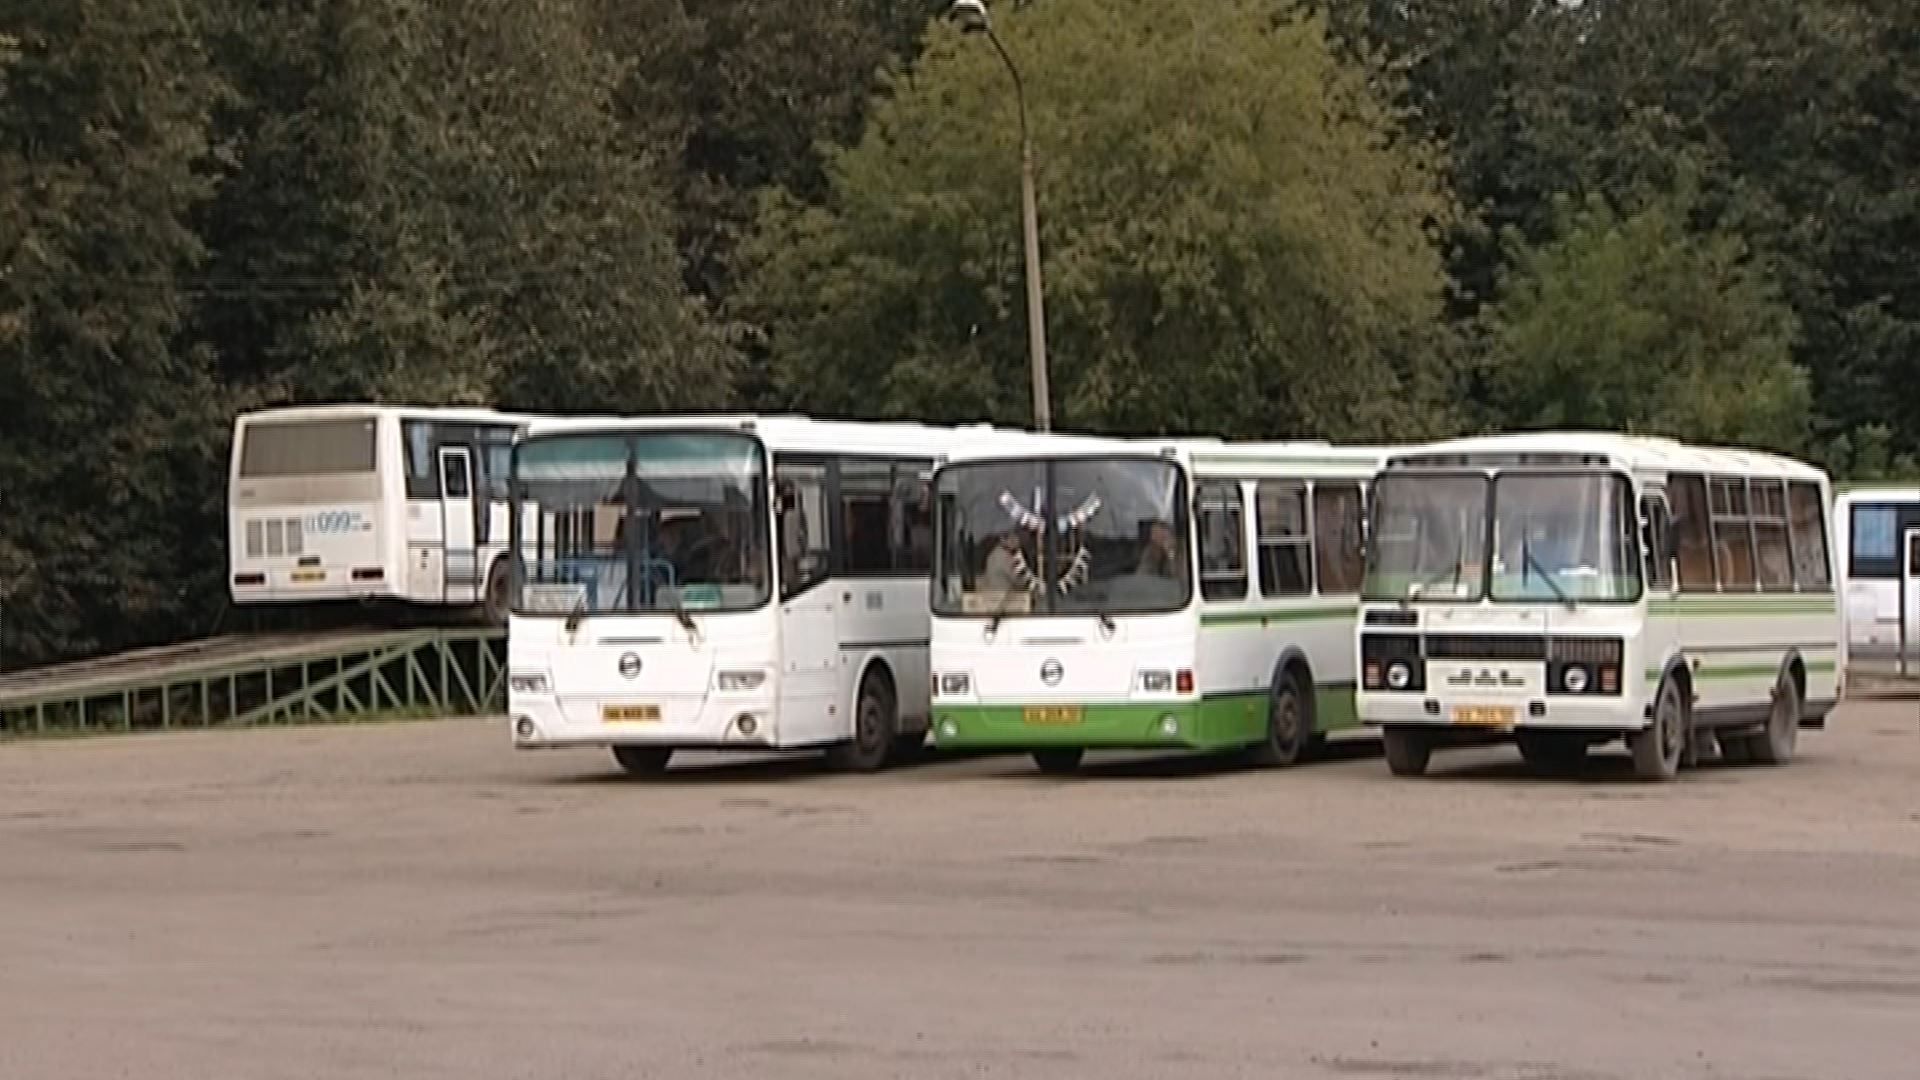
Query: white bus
1146	594
1877	532
723	582
1568	589
371	502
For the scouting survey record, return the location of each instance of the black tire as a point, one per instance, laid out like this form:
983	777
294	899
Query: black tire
1059	761
876	723
907	748
1289	725
643	760
1552	751
1408	750
1658	747
497	601
1775	745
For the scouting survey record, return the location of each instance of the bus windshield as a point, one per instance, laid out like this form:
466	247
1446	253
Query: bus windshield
640	524
1062	537
1553	537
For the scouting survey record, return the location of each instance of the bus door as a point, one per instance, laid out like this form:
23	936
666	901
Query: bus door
810	709
460	560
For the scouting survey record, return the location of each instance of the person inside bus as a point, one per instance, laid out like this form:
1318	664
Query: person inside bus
1161	557
1002	571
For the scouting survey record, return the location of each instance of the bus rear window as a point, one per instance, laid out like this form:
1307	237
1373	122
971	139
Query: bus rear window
307	448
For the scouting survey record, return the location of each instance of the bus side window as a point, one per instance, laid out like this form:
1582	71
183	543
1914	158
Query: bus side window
1223	560
1336	538
1695	540
1286	548
1812	570
801	508
1658	543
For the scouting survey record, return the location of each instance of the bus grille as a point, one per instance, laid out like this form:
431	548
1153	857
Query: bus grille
1486	647
275	537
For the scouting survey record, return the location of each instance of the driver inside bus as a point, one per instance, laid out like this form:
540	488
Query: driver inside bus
1002	571
1161	556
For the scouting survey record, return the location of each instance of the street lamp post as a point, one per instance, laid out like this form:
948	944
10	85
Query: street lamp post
973	18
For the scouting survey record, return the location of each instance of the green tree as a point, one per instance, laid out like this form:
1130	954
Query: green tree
106	417
1237	235
437	202
1635	323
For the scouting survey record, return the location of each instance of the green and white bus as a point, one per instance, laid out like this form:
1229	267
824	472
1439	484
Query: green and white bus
1135	594
1566	590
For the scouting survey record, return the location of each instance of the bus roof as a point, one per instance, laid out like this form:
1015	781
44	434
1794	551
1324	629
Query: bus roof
1876	492
458	414
789	432
1635	453
1204	454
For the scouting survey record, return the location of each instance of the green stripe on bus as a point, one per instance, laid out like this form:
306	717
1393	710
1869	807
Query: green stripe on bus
1266	615
1713	607
1746	671
1216	722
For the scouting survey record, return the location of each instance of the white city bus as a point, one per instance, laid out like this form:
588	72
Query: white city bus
1569	589
1877	532
371	502
723	582
1146	594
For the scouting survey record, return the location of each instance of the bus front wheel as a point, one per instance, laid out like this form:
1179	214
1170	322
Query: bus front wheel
1408	750
1658	747
876	724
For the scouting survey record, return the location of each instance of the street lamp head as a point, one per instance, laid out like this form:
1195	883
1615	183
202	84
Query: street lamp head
971	15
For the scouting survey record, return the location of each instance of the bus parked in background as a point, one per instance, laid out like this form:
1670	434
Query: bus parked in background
1141	594
1877	532
1566	590
371	502
723	582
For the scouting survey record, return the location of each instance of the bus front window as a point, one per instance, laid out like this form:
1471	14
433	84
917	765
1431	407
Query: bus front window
1429	538
642	524
1062	537
1561	537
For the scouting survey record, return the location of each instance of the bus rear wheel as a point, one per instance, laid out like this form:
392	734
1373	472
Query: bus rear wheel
1408	750
643	760
1059	761
497	601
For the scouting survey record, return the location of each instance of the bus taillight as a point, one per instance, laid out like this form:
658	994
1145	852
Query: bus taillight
1183	681
249	579
369	573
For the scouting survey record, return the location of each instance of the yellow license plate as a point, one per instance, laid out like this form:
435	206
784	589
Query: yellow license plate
309	575
1051	714
1484	715
630	714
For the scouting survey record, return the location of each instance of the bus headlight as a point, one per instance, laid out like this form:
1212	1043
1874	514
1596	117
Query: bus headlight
1574	679
737	681
1399	675
955	683
1156	682
529	682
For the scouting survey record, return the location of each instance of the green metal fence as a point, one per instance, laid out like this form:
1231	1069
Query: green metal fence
263	680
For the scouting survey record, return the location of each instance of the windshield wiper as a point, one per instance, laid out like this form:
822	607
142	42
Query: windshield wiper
680	613
1527	561
578	612
999	613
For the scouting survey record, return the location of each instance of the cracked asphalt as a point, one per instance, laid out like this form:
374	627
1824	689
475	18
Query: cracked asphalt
419	900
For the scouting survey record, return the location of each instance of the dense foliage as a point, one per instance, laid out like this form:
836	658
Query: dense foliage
1333	218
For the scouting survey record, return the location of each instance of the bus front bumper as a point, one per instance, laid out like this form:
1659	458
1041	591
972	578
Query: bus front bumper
544	721
1558	713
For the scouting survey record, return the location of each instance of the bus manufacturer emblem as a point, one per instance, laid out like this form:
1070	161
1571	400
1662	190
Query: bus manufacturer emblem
1051	672
630	666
